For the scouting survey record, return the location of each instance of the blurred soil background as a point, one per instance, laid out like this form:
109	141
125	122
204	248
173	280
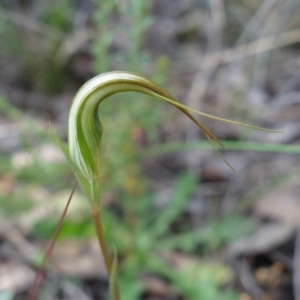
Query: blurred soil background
184	225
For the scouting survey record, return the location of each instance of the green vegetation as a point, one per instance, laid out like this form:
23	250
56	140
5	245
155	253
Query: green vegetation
144	232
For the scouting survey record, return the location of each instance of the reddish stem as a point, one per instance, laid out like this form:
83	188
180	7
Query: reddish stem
33	293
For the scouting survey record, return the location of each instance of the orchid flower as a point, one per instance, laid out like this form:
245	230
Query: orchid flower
85	133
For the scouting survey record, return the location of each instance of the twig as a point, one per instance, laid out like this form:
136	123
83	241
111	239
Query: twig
242	51
252	48
217	17
247	280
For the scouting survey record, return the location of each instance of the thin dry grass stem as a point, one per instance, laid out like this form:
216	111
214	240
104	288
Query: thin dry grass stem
217	16
242	51
252	48
33	293
255	23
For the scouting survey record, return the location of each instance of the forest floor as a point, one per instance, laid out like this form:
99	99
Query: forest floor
185	226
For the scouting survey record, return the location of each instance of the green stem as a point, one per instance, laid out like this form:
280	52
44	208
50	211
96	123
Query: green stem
100	235
111	270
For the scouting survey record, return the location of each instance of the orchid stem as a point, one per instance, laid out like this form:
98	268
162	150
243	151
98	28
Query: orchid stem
101	240
95	212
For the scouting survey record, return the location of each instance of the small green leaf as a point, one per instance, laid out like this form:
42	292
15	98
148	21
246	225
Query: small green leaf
62	147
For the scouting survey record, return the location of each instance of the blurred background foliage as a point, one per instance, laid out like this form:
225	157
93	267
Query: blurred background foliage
171	207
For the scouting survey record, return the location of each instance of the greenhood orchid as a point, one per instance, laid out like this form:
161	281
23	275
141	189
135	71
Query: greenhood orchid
85	133
85	130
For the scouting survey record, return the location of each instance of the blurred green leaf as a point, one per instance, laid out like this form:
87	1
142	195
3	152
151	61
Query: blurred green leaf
181	190
8	110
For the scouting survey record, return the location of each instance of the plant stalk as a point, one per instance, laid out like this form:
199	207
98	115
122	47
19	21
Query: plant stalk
114	290
95	212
